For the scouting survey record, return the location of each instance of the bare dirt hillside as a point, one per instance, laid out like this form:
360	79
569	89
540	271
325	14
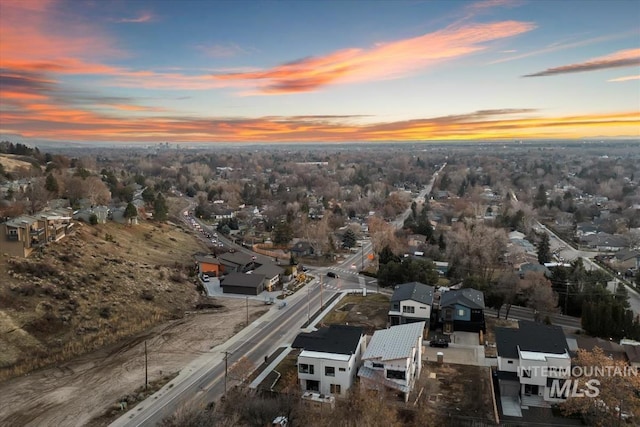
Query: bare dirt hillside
92	289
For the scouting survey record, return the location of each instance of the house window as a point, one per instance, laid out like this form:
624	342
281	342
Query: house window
396	375
510	362
334	388
378	365
305	369
329	371
341	369
461	312
408	309
395	306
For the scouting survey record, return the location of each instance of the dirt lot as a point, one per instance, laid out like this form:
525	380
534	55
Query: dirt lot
455	389
75	392
370	312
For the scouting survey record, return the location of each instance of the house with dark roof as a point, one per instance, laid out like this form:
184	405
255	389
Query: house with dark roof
531	358
632	351
236	262
302	248
411	302
208	265
393	360
241	283
329	359
272	274
462	310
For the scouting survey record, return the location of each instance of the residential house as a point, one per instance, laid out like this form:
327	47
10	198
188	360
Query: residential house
462	310
393	359
22	235
241	283
101	212
612	349
530	359
329	359
301	249
411	302
626	259
272	274
604	242
632	351
236	261
208	265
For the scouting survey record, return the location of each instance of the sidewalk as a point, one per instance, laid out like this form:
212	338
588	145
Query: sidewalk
274	363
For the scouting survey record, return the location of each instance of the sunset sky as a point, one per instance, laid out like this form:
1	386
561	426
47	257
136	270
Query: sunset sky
337	71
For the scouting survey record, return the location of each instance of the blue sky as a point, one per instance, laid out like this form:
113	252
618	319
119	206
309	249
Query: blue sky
207	71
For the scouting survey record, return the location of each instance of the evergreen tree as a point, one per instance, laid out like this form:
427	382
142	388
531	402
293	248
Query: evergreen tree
541	197
51	184
544	251
160	210
148	196
349	239
130	211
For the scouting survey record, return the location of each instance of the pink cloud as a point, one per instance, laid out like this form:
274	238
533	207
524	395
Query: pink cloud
383	61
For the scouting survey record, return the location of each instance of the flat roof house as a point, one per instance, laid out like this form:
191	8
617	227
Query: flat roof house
329	359
241	283
530	359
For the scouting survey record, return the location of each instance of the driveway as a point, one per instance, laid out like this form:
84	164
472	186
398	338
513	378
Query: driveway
463	350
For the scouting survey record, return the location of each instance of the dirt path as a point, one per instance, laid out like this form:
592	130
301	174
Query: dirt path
75	392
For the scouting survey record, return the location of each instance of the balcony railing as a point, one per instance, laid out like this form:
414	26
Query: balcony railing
37	232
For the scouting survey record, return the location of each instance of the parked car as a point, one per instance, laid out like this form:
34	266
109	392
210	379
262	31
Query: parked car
205	277
439	341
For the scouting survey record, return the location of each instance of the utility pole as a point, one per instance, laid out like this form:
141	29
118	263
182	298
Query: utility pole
226	358
321	303
247	311
146	372
308	308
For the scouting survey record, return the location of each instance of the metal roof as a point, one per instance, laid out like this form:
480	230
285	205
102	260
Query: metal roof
397	342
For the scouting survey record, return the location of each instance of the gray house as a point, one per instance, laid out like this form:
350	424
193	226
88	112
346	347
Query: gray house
411	302
462	310
241	283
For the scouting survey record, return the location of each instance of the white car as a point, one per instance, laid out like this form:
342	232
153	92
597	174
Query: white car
205	277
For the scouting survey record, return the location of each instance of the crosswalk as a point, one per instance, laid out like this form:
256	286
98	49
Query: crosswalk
345	271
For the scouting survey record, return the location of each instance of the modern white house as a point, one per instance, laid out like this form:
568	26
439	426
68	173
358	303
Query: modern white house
393	359
531	358
411	302
329	359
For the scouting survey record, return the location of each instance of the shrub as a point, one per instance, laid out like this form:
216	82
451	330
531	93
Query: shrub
93	219
147	295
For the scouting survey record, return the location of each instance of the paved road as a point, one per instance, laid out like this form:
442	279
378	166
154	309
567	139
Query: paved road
570	254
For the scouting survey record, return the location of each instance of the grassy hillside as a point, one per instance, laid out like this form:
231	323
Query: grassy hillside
92	289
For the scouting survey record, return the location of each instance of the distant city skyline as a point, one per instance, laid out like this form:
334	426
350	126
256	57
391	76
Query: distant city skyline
318	71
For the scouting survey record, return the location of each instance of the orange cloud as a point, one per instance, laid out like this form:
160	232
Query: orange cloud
382	61
46	121
623	58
